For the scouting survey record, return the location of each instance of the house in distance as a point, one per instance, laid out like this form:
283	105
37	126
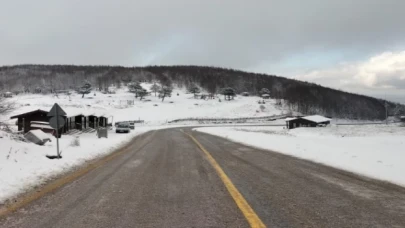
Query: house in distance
24	119
39	119
307	121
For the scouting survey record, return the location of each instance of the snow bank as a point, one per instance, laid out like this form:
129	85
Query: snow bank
376	151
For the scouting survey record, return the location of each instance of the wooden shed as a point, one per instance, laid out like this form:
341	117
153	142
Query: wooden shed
83	121
24	119
102	121
77	121
307	121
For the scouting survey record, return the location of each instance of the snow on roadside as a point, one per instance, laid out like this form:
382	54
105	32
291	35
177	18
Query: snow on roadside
24	165
376	151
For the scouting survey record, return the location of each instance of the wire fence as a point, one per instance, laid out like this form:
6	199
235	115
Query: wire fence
237	120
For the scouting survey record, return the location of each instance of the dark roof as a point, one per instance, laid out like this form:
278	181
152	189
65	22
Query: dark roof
29	113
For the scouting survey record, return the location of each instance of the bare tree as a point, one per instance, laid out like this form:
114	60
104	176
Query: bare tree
155	88
165	92
5	107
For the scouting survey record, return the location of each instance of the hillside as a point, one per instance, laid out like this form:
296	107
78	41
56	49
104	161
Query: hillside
122	105
307	98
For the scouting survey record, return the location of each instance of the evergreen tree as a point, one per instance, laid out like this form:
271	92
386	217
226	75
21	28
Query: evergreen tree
194	90
264	91
85	89
142	93
229	93
136	88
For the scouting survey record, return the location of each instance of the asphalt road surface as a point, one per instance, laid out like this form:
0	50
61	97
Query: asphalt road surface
166	180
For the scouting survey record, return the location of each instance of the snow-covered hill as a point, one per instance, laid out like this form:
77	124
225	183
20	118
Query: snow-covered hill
151	109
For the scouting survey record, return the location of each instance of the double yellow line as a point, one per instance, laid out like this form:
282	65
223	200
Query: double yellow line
250	215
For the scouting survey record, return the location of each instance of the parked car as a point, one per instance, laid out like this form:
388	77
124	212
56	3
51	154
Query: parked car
132	125
123	128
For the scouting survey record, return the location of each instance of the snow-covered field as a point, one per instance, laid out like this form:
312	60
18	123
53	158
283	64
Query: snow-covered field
153	111
376	151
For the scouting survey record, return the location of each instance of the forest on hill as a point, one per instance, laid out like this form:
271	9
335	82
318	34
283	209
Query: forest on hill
304	97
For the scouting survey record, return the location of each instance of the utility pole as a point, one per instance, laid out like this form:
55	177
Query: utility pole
386	110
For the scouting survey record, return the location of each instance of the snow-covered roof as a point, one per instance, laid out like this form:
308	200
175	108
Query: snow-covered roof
41	126
265	95
87	113
290	118
39	122
316	118
29	113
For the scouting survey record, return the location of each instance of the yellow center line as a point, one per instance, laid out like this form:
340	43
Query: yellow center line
243	205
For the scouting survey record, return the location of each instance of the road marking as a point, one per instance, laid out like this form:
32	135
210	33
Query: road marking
58	183
243	205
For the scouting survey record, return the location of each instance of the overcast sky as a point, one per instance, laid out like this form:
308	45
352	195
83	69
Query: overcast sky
352	45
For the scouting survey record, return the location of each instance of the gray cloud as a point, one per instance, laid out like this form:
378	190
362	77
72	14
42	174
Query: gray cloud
257	35
232	33
382	76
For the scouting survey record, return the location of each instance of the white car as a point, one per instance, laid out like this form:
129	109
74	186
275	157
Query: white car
122	128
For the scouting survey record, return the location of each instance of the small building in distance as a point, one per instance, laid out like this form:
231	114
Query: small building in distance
307	121
266	96
38	119
35	120
8	94
24	119
245	94
85	121
402	118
